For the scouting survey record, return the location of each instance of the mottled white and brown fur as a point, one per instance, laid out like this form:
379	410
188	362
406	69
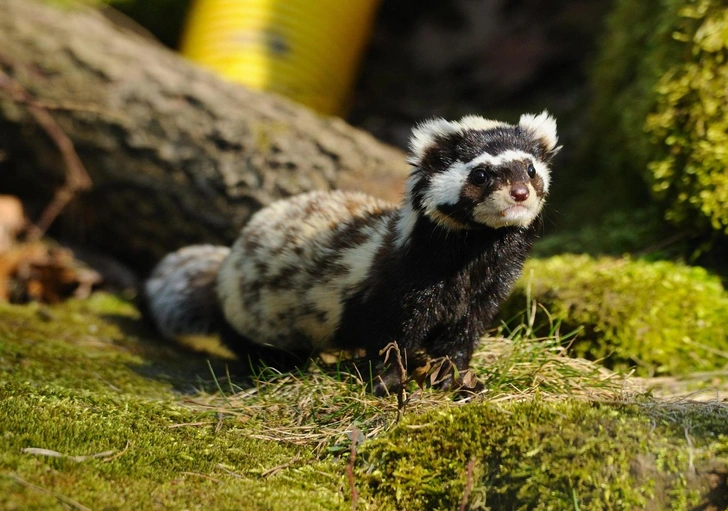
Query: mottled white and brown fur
343	270
296	264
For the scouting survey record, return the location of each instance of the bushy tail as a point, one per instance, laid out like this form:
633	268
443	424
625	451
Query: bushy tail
180	295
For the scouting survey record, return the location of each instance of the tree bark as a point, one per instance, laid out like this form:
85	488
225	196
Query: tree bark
176	155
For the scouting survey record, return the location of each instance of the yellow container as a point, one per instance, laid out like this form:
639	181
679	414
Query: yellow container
308	50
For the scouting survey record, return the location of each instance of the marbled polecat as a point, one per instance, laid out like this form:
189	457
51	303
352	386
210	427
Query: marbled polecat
328	270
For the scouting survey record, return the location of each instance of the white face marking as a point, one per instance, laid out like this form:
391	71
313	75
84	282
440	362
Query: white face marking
406	220
543	170
500	210
445	187
514	155
499	159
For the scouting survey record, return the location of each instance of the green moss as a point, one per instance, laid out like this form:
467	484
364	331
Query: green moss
102	339
154	461
82	379
661	317
689	128
539	456
85	379
660	105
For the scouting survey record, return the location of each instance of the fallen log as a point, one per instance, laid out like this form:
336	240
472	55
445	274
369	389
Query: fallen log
174	154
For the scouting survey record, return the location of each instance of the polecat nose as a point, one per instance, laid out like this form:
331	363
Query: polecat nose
519	193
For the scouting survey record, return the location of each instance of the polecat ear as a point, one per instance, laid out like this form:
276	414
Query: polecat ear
543	128
425	135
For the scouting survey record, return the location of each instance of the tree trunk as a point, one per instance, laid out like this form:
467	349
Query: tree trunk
176	155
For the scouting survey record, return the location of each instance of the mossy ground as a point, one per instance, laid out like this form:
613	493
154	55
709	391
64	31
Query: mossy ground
75	382
86	379
656	317
539	455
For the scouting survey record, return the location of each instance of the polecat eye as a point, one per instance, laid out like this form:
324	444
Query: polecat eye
479	177
531	171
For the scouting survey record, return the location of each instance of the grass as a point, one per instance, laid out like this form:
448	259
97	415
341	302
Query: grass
98	414
320	407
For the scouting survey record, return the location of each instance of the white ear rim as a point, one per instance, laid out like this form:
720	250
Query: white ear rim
543	127
424	136
476	123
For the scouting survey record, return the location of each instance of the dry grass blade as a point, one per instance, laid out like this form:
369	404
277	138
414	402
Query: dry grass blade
709	386
516	368
228	471
320	409
36	451
66	500
279	468
203	476
468	485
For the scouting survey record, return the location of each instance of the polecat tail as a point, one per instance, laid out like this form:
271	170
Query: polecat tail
180	295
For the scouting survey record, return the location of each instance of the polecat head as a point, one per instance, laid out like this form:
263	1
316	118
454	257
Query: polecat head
478	172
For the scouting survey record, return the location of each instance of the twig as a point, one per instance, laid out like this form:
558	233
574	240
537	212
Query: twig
277	469
37	451
661	244
68	106
228	471
401	373
186	424
468	485
220	418
204	476
355	434
62	498
691	465
126	448
77	178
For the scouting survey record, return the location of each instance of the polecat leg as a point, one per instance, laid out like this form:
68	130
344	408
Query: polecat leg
457	348
382	378
387	382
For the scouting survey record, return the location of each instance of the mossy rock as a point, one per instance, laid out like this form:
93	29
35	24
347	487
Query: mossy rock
98	415
658	317
660	106
543	456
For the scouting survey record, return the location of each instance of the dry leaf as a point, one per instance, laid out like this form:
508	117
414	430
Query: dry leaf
12	220
43	273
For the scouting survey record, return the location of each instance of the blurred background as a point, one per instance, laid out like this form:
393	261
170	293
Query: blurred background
635	247
606	69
